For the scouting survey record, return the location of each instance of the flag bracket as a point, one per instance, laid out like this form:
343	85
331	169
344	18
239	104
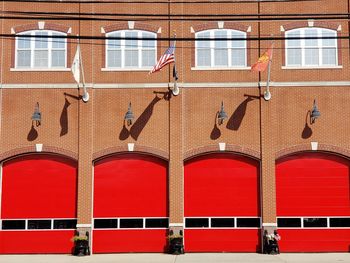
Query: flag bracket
267	95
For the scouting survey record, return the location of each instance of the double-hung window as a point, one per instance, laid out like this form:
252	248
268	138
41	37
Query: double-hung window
41	49
221	48
311	47
131	49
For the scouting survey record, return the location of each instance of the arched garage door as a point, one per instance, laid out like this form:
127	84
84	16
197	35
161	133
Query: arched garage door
38	204
222	207
130	204
313	203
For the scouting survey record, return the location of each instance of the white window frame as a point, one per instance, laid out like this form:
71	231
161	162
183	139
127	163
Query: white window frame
49	49
229	33
303	47
124	47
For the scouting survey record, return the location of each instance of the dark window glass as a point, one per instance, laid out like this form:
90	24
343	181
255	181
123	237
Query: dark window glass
222	222
248	222
39	224
288	222
131	223
315	222
13	224
339	222
106	223
197	222
65	224
157	223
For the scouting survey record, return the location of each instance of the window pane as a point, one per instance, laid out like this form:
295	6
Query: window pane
23	42
58	58
157	222
329	56
203	57
39	224
203	44
41	42
294	42
221	57
238	57
65	224
131	223
131	58
311	56
148	43
41	58
58	42
248	222
114	58
13	224
106	223
23	58
148	58
238	43
315	222
197	222
311	32
293	57
328	42
222	222
339	222
220	43
114	43
131	43
288	222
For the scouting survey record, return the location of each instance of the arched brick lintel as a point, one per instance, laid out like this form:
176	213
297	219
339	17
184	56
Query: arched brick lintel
31	150
124	150
228	149
321	24
46	26
326	148
125	26
215	25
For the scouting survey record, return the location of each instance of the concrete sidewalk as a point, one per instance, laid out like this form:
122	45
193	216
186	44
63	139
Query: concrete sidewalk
186	258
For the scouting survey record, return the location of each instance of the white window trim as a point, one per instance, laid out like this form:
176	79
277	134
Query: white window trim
32	51
321	228
123	48
303	47
229	49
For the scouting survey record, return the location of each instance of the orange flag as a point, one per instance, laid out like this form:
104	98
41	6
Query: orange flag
264	60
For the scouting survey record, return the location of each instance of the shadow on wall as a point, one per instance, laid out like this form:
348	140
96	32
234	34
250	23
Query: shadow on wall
235	120
307	131
140	123
33	134
64	118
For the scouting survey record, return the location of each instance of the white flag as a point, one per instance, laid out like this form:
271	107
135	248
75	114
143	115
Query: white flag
76	65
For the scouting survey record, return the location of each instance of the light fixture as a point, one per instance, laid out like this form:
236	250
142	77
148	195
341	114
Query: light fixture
129	115
315	113
222	116
36	117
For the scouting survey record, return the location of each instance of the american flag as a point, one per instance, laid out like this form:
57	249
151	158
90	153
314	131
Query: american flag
165	59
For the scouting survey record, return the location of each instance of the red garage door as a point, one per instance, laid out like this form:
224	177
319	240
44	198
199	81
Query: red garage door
313	203
222	208
130	204
38	204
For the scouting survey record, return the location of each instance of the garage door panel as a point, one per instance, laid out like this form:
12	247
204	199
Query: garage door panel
33	242
222	240
315	240
114	241
39	187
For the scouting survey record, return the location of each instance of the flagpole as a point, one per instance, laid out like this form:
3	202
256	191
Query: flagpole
175	91
86	95
267	93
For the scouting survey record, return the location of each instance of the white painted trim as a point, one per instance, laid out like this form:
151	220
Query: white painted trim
313	67
132	85
308	84
39	147
131	147
127	69
131	24
176	224
84	225
39	86
39	69
219	68
269	224
314	146
221	24
222	146
41	25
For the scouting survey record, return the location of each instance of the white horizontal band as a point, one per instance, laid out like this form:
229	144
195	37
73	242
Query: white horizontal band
269	224
176	224
84	225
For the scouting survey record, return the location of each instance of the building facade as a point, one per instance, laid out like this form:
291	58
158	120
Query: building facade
82	166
